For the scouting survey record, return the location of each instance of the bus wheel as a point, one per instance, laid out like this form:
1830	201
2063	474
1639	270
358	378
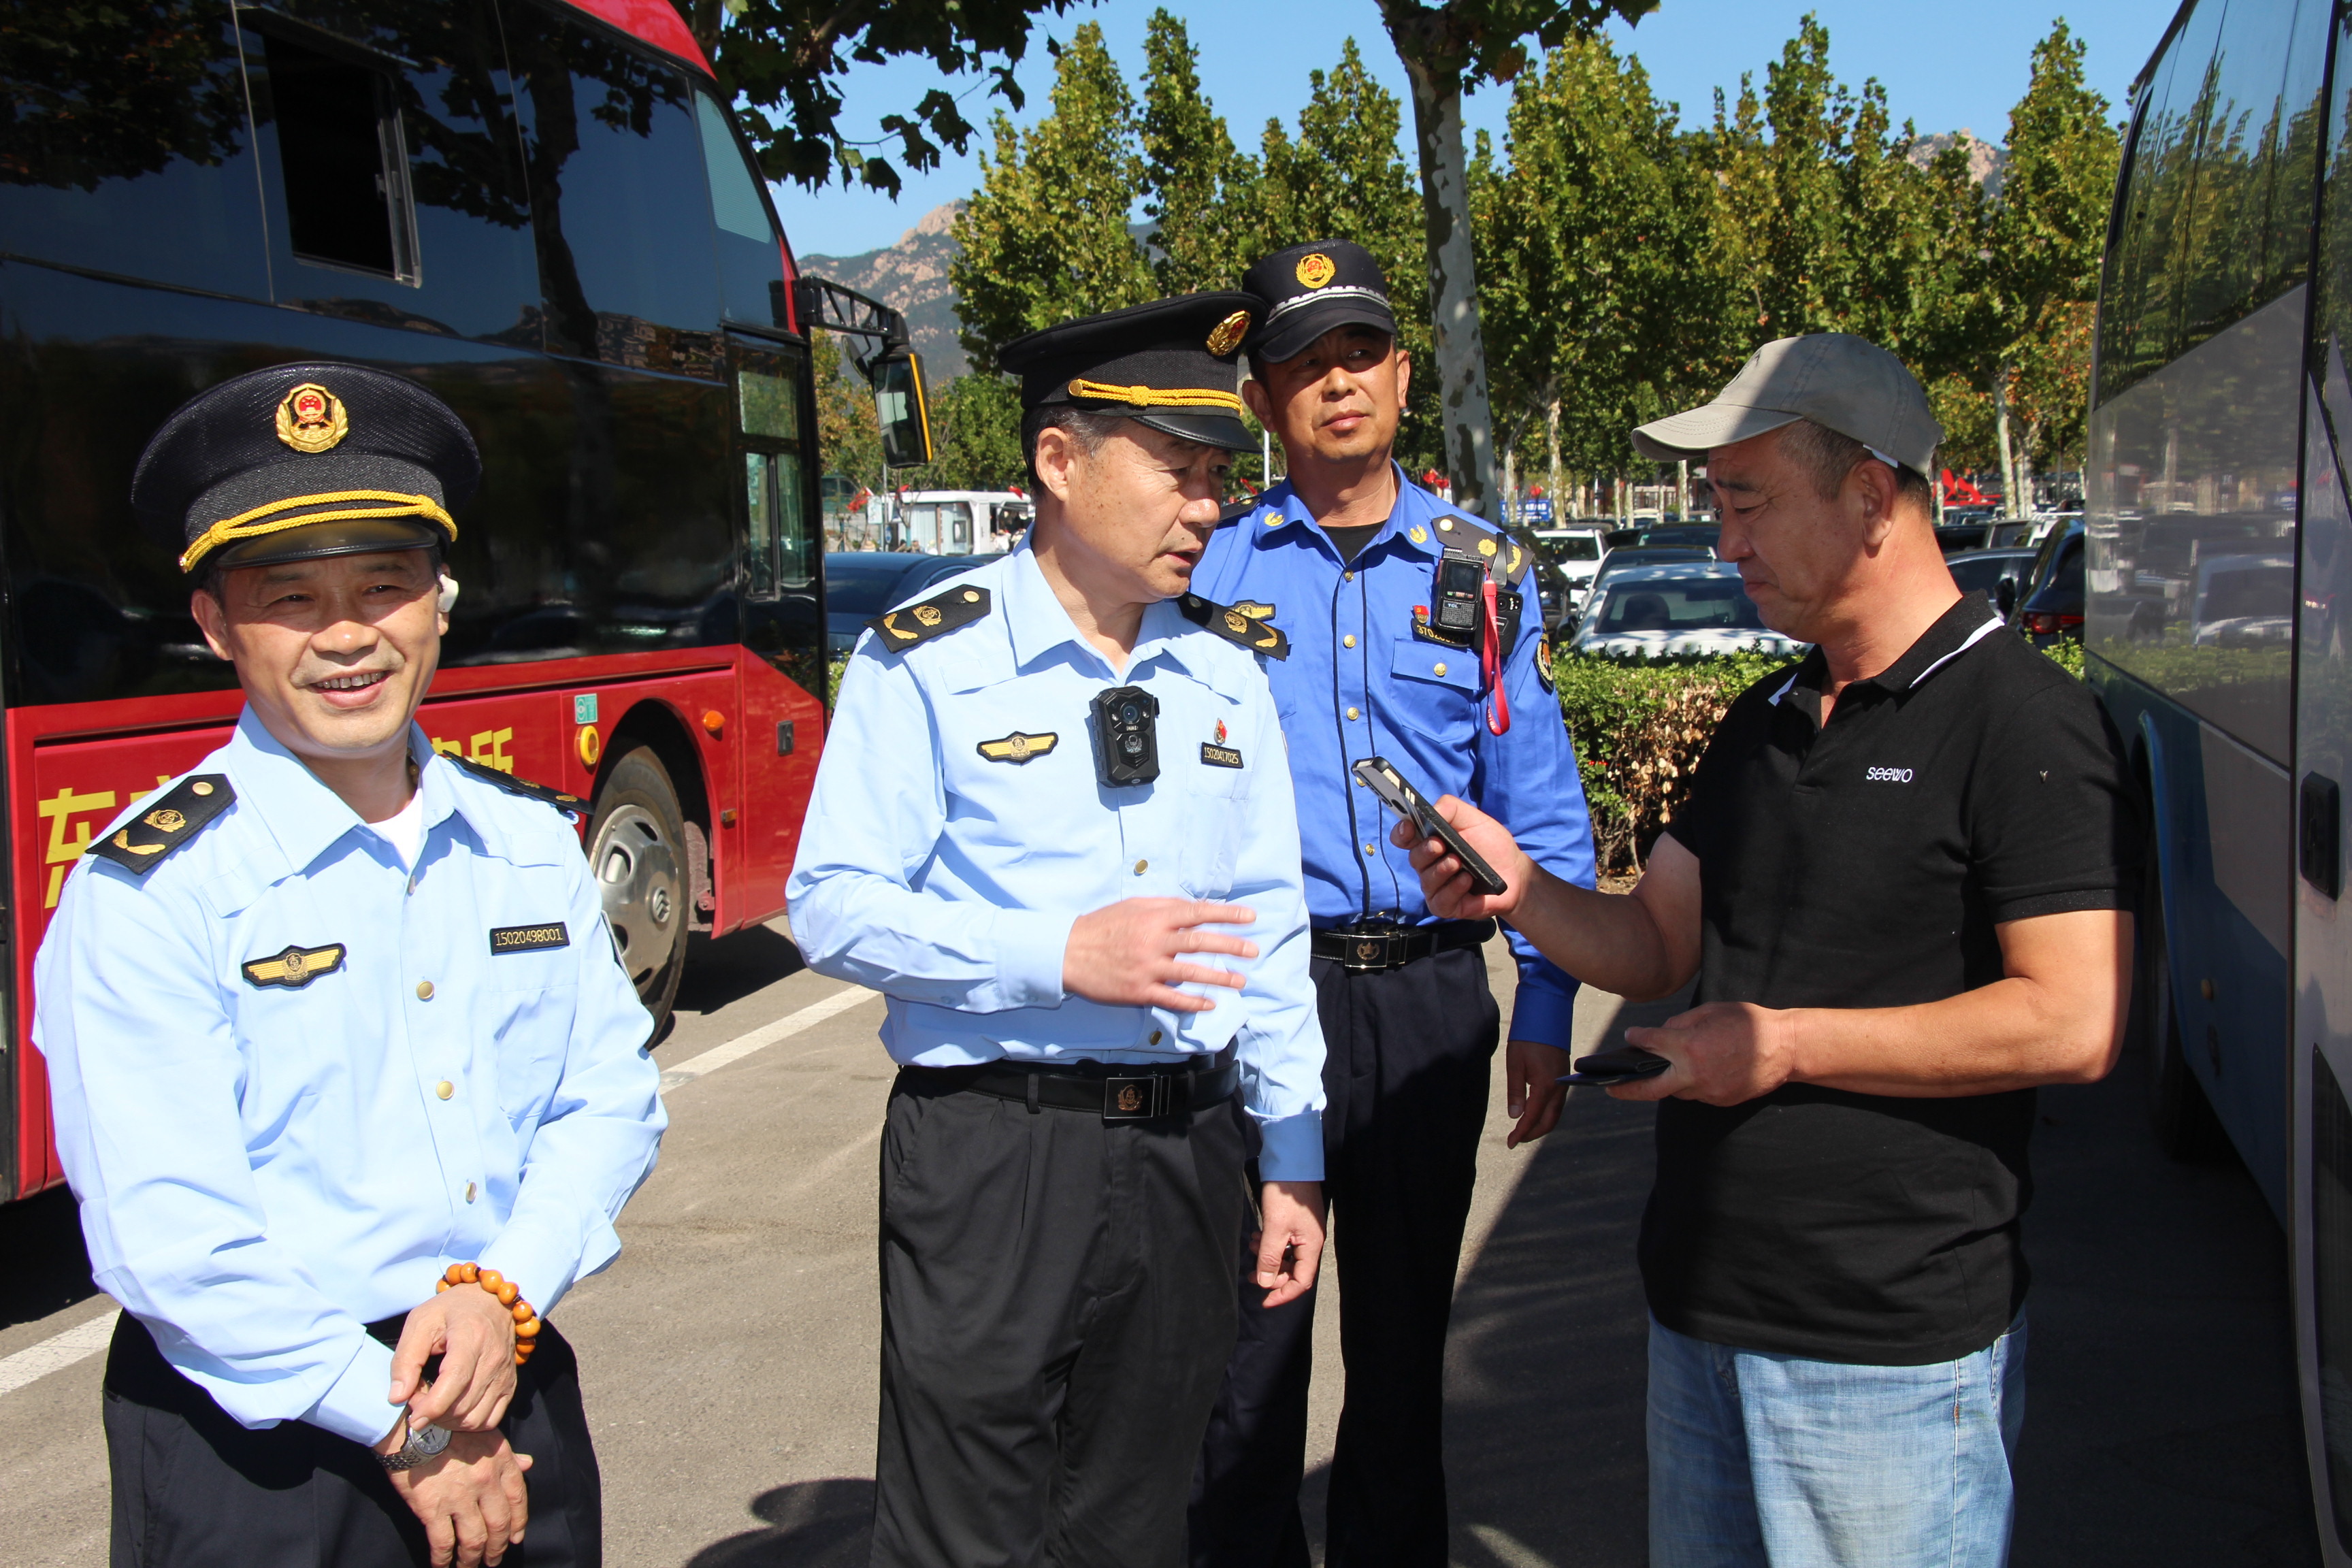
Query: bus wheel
2178	1111
637	857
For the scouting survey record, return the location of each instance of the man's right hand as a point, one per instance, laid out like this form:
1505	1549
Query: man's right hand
471	1498
1126	955
1447	887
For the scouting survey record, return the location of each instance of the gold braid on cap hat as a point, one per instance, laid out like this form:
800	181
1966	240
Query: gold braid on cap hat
1154	397
263	520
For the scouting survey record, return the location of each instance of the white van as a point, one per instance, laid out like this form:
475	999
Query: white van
959	522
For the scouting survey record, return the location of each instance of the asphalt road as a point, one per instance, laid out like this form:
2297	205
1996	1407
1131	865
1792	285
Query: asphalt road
729	1355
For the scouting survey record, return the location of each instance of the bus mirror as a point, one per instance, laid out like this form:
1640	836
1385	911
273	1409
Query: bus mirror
898	407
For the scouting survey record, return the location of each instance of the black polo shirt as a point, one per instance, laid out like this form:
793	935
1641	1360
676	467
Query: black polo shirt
1866	864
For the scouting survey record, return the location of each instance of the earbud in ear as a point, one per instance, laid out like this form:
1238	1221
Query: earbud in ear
449	593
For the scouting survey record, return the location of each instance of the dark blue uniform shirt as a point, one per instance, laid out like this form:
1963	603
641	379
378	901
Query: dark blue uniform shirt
1362	681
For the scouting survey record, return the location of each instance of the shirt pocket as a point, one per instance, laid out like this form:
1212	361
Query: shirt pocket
1432	690
1212	780
528	1009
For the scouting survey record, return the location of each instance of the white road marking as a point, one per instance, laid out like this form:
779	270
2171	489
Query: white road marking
766	1034
58	1352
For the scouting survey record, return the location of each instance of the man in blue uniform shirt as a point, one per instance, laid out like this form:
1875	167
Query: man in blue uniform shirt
1415	637
333	1023
1053	799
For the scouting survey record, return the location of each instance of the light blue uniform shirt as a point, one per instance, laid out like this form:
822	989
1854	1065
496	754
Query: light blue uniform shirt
264	1170
1359	682
949	880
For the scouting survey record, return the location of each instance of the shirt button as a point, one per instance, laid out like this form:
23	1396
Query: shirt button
444	1089
1347	577
425	990
1155	1037
470	1192
1440	669
1141	867
1348	641
1353	714
1368	849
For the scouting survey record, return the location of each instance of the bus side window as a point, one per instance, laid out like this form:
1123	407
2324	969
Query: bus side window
129	147
759	540
750	256
620	204
343	162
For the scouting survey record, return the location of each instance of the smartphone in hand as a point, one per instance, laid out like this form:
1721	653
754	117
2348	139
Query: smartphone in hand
1382	779
1626	1064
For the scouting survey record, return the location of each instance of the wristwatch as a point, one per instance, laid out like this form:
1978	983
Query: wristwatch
424	1443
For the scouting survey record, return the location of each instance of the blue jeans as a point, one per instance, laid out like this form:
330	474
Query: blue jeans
1759	1460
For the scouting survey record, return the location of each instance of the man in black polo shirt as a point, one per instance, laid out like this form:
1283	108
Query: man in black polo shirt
1903	879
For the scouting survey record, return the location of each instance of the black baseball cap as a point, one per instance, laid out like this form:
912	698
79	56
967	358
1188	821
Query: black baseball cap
1171	363
304	460
1307	289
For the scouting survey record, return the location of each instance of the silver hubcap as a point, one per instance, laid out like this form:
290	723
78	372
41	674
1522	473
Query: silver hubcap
636	871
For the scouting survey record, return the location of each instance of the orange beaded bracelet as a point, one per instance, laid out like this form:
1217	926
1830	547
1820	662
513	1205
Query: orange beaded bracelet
525	1317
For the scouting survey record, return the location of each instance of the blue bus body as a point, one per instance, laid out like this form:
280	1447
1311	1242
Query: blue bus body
2219	568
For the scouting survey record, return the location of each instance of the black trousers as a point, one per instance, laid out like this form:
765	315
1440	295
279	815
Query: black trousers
1410	1053
1057	1309
193	1489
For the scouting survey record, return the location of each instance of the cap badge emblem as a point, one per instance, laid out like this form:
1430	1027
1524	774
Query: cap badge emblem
167	820
310	419
1315	270
1227	335
927	614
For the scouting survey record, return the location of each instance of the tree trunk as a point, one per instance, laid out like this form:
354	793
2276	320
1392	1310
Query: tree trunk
1468	425
2009	498
1551	448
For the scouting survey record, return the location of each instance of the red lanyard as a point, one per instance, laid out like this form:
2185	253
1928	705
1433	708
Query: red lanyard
1490	668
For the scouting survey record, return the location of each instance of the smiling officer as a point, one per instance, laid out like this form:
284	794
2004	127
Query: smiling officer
1050	791
345	1074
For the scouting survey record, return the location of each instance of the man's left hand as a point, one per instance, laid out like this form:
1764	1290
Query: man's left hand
475	1337
1291	1239
1532	1090
1725	1052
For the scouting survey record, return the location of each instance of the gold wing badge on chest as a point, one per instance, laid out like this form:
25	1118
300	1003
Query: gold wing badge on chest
142	844
1019	746
295	967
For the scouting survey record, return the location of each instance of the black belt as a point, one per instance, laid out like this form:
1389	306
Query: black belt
1371	948
1141	1094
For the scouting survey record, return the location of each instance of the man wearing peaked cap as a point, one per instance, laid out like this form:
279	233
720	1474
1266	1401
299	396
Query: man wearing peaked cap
1054	824
1412	639
1902	880
346	1076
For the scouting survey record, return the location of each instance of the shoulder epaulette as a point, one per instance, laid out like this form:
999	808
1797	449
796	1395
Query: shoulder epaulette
559	799
147	840
960	605
1510	559
1258	635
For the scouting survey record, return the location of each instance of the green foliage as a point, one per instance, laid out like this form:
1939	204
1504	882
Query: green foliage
780	61
1046	237
2066	653
1194	183
848	437
975	437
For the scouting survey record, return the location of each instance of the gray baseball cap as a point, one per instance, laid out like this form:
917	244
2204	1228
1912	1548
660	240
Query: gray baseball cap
1845	383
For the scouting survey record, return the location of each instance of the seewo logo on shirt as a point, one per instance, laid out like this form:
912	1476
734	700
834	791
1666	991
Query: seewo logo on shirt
1886	775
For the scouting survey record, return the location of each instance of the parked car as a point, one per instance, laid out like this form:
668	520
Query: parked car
861	583
1685	535
1996	574
1694	606
2050	601
2244	601
1633	556
1575	554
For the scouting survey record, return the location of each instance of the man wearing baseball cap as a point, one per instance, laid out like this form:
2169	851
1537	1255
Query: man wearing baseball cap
1903	882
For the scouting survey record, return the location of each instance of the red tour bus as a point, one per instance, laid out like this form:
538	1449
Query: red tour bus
544	213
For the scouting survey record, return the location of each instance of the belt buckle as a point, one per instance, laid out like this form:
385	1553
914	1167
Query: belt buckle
1371	950
1134	1099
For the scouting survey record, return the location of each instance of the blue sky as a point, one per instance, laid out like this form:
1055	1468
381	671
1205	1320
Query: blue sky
1945	65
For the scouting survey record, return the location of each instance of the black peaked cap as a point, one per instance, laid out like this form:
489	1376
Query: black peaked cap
1172	365
1306	290
303	460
